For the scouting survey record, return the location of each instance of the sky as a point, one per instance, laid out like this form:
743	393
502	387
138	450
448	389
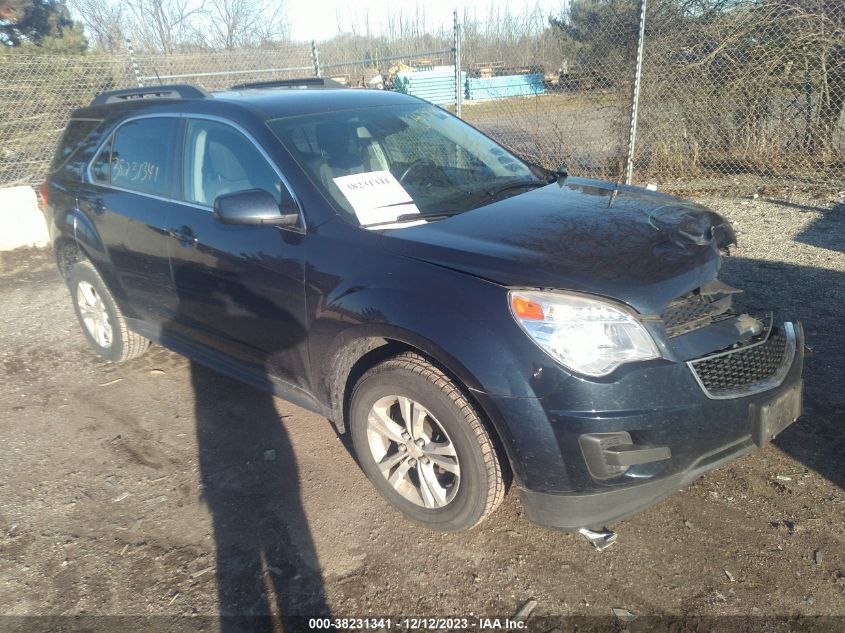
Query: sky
322	19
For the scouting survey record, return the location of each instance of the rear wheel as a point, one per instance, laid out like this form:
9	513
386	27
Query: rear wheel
103	324
423	446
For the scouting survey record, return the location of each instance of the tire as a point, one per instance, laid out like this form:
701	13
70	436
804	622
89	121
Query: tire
102	322
446	475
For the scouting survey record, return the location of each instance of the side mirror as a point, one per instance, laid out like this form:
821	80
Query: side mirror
252	207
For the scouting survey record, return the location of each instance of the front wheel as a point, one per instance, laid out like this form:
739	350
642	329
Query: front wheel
102	321
423	446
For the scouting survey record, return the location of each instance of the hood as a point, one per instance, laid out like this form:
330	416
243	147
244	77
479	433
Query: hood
640	247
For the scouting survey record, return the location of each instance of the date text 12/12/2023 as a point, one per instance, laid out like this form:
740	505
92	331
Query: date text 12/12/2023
418	623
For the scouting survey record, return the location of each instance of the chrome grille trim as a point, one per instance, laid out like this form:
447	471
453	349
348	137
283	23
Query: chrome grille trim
759	386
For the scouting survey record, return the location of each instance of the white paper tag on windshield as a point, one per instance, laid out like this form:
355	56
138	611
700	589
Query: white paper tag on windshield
377	199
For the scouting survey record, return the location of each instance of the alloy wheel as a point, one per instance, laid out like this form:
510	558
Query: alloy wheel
413	451
94	315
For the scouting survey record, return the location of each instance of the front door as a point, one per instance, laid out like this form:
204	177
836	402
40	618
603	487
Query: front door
240	289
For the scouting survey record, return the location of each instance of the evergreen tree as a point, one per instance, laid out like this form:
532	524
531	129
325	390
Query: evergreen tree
39	23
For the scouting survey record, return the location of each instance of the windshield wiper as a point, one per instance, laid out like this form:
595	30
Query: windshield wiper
518	184
428	216
555	175
551	175
412	217
475	198
448	213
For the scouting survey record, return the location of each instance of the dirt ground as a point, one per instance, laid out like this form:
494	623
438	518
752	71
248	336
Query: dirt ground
159	488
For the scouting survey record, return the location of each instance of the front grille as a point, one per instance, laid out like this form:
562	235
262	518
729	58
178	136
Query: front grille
749	369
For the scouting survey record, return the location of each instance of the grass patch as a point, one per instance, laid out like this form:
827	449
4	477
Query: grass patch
542	103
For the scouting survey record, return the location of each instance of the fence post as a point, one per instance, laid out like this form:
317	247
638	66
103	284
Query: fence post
459	88
134	63
635	97
315	57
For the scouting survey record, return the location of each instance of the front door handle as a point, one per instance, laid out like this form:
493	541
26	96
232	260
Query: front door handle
184	234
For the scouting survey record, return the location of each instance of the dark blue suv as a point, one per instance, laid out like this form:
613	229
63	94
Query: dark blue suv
468	317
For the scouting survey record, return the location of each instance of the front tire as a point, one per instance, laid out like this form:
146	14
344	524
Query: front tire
103	324
423	446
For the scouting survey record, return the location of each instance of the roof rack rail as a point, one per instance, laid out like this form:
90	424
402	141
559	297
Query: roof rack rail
304	83
174	91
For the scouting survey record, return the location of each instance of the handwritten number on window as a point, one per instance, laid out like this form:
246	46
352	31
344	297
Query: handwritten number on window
134	171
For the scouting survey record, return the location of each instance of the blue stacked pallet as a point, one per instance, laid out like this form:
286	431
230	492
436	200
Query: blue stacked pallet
485	88
436	85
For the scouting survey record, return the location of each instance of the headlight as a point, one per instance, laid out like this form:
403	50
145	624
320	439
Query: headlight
586	335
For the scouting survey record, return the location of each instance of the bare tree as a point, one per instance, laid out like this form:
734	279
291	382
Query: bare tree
237	23
105	23
164	24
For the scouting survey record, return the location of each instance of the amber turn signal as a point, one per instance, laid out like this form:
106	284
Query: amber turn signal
525	309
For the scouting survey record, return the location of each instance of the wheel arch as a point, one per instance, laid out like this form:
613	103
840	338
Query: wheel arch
66	252
77	239
353	357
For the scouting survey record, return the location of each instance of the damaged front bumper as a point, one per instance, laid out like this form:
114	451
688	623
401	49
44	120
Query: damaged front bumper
622	444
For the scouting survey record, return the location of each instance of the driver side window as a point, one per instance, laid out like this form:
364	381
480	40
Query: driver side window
221	160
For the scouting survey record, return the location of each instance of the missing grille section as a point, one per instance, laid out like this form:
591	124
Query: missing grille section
705	305
748	369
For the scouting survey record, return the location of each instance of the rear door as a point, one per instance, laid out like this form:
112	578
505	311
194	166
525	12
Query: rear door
240	289
132	181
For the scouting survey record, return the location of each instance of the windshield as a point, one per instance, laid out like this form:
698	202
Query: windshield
388	164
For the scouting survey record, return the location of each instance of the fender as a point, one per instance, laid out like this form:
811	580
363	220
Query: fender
423	305
487	351
355	342
352	345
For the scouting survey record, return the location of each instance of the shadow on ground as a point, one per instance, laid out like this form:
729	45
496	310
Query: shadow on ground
267	568
268	572
827	231
812	296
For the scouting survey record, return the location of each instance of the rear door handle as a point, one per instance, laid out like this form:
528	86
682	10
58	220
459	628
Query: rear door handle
184	234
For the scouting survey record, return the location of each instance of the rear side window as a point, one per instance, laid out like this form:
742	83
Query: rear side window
139	157
75	136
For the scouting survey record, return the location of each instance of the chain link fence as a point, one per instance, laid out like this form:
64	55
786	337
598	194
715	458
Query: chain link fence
748	93
38	94
40	91
548	97
732	95
377	61
218	70
755	92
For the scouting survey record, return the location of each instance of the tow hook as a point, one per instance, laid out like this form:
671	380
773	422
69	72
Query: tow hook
599	540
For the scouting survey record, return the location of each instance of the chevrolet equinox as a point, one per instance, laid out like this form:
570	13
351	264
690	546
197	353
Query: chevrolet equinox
469	318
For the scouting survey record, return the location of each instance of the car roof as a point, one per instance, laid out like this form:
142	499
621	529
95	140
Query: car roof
279	103
266	103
